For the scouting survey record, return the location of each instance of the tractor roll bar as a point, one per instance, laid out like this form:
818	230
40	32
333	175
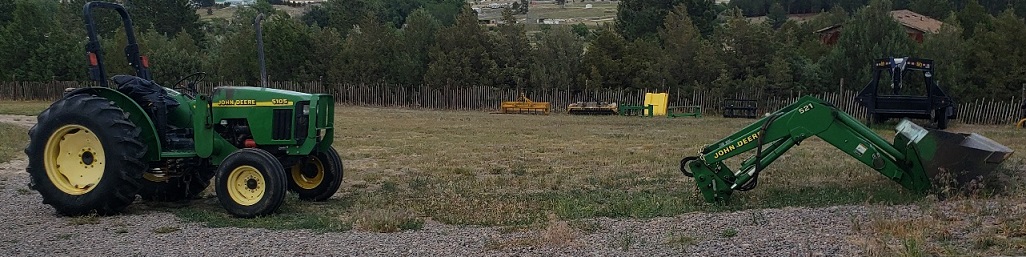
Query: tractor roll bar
95	50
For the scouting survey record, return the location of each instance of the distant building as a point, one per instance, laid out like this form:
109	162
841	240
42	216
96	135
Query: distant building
916	26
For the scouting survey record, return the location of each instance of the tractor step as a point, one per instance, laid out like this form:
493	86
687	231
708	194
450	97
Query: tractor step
177	154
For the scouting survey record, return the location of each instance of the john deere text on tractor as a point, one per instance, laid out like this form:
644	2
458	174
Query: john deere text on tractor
916	156
96	148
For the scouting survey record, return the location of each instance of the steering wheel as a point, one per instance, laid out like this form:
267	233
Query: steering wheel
190	88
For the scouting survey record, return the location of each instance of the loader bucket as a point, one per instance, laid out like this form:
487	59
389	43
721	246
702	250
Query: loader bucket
946	155
592	108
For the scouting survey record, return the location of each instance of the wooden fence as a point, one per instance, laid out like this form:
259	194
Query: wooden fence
981	111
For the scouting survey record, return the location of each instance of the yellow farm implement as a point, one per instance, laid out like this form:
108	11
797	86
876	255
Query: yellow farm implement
524	106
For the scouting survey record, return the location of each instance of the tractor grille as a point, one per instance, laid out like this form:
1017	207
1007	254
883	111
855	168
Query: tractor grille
303	121
281	124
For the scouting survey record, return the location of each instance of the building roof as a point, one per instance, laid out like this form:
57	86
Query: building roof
916	21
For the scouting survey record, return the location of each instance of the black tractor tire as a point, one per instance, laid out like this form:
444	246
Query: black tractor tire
317	177
942	118
104	177
250	182
186	187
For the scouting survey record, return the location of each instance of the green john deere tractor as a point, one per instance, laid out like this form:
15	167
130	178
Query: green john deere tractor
97	148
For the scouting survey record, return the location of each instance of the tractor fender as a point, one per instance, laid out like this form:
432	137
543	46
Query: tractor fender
147	132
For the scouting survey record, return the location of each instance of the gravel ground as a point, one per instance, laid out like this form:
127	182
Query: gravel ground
33	229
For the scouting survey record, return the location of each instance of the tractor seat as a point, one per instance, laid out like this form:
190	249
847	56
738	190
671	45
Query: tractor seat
152	98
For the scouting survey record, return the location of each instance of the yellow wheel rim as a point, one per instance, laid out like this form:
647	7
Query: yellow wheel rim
1021	123
304	180
246	185
74	159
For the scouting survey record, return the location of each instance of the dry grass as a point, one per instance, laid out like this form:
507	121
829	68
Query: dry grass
14	140
387	220
474	168
23	107
556	233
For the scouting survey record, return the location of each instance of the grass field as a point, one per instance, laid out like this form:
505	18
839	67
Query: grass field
23	107
13	141
403	167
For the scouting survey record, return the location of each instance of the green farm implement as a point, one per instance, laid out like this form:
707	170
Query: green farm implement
917	159
96	148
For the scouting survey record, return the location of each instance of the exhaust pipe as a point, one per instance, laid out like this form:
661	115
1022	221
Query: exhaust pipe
260	48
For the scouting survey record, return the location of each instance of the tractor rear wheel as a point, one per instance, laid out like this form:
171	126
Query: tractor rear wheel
317	177
174	189
250	183
85	156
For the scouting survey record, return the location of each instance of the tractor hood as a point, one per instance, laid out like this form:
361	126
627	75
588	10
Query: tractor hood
256	96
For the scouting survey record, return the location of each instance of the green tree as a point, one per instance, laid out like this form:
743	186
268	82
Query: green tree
557	59
777	16
462	55
316	16
999	59
871	34
641	18
418	39
327	45
6	11
602	64
747	48
973	16
36	46
286	47
703	14
688	59
167	17
581	30
641	61
937	9
949	51
512	53
234	54
343	15
170	59
370	52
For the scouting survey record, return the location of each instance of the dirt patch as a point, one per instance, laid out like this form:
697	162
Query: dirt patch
20	120
15	166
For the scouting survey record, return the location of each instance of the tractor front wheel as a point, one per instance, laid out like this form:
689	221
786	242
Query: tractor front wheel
317	177
85	156
250	182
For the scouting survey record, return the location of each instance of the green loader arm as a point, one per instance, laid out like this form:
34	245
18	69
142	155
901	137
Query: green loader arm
775	134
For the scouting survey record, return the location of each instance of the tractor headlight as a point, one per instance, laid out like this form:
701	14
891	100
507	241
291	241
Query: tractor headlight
306	109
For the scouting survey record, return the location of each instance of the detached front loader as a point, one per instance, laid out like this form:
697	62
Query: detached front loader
96	148
916	156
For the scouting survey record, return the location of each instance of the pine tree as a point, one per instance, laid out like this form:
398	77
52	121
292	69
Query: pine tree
557	59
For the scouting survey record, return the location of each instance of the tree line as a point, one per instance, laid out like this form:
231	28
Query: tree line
654	44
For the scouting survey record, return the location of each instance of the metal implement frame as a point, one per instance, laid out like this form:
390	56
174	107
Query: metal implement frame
773	135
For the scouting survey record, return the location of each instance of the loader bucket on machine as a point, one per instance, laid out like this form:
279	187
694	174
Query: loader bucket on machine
592	108
951	157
